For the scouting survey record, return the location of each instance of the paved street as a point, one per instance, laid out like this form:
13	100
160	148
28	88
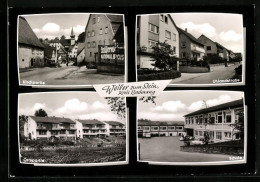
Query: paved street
71	75
167	149
216	73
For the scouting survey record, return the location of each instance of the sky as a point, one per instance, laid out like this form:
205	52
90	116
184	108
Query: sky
172	106
55	25
223	28
74	105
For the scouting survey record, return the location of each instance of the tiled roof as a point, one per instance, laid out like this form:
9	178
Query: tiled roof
160	123
26	34
51	120
114	123
219	45
81	46
90	122
115	18
191	37
233	104
65	42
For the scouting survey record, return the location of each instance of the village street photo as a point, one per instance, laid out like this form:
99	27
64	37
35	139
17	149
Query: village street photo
72	128
177	128
190	48
71	49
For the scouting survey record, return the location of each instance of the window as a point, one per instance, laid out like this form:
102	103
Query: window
42	132
71	132
219	135
98	19
174	36
72	125
192	120
174	49
196	132
167	34
152	43
139	128
105	42
93	20
153	28
166	19
183	44
106	30
227	116
88	33
227	134
219	117
100	31
146	128
88	44
163	127
22	59
171	128
155	128
93	33
94	44
90	54
179	127
208	48
183	54
63	132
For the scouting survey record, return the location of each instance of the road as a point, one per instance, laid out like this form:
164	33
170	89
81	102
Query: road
216	73
167	149
71	75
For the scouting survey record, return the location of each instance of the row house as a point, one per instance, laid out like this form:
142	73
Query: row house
190	47
102	29
116	128
152	29
92	128
147	128
217	120
213	47
30	49
47	127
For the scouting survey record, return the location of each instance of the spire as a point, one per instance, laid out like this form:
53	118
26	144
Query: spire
72	33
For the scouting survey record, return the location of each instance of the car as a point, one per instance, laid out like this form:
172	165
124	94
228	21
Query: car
197	142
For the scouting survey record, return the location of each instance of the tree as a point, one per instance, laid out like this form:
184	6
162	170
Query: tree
238	127
148	99
62	37
22	120
41	113
81	37
56	38
117	105
162	54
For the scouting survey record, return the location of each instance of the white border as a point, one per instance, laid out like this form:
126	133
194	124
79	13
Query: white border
81	164
195	84
69	86
243	161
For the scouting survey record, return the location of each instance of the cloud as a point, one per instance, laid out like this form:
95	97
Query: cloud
38	106
72	106
230	36
102	116
198	29
98	106
51	27
173	106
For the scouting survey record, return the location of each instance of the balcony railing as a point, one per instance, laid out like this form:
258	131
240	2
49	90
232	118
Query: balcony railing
197	49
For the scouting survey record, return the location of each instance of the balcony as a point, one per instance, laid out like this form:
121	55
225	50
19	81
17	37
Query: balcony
41	128
197	49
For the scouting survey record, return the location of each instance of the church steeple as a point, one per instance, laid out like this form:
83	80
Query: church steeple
72	33
72	37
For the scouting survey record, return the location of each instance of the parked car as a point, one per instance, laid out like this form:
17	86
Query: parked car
197	142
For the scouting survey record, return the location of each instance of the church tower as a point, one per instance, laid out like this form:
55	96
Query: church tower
72	37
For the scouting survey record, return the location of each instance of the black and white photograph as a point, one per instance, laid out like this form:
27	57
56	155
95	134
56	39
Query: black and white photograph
72	128
204	49
176	128
71	49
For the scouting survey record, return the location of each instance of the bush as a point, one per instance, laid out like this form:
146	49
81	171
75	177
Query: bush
158	75
214	59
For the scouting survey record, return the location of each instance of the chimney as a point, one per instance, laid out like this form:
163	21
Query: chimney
185	29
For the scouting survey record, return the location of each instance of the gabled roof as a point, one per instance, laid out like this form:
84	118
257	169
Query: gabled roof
81	46
90	122
38	119
219	45
26	34
65	42
114	123
233	104
115	18
160	123
191	37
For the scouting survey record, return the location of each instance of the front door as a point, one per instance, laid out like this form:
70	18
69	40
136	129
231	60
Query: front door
32	62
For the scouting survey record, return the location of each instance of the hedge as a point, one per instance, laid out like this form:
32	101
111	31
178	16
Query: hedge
159	75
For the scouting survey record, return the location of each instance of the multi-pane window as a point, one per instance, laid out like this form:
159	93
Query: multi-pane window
100	31
227	116
153	28
200	133
71	132
63	132
106	30
94	44
192	120
174	36
219	117
152	43
163	128
196	132
219	135
93	33
179	127
227	134
167	34
146	128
